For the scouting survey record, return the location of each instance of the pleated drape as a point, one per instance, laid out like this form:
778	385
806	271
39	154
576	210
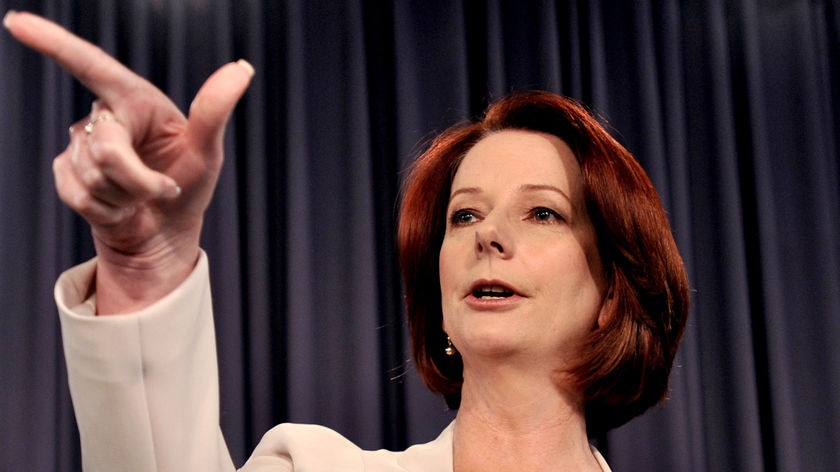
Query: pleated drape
733	108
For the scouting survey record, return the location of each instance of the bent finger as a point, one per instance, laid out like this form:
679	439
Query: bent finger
76	196
105	163
106	157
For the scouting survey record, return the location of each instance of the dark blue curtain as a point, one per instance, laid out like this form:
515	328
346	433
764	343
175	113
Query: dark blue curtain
733	107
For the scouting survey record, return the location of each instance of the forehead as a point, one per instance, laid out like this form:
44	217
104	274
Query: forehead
517	157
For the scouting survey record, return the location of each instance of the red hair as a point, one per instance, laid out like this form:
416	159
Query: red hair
626	362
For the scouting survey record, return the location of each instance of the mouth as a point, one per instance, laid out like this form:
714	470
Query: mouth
491	291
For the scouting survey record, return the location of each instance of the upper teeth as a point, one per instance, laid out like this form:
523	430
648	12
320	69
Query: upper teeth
494	288
492	291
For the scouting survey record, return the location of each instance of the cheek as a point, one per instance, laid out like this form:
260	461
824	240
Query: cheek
446	269
573	282
453	268
446	278
587	290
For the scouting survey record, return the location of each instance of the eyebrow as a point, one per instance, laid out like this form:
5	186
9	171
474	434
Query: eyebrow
523	188
544	187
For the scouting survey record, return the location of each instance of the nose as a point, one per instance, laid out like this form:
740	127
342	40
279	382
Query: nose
492	240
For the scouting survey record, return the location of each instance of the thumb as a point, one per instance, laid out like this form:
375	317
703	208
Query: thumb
214	102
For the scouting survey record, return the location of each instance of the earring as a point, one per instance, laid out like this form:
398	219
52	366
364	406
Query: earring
450	349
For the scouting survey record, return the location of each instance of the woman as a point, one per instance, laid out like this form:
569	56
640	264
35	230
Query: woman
545	294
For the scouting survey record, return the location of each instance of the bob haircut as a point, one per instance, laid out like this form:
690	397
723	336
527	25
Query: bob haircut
626	361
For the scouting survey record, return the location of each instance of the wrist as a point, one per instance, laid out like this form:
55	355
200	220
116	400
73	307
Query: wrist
130	281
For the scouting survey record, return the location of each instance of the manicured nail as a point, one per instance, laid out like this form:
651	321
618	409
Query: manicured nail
247	65
7	19
171	190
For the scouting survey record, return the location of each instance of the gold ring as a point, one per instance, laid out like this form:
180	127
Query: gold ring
99	119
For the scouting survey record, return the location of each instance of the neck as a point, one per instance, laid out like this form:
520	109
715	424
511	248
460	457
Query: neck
512	419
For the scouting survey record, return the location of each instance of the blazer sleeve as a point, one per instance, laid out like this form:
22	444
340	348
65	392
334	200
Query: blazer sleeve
144	385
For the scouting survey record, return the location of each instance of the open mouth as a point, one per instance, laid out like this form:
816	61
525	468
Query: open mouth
492	292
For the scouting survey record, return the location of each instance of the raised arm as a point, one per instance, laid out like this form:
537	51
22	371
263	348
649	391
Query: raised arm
138	170
144	386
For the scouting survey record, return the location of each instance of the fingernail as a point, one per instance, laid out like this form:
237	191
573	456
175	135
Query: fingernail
172	190
247	65
7	19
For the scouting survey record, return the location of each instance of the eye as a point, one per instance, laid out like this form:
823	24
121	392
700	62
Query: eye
463	217
547	215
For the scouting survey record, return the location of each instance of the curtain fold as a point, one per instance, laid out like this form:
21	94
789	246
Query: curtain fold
731	107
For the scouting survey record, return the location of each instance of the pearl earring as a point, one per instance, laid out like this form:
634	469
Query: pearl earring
450	349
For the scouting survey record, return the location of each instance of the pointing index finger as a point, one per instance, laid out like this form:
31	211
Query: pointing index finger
103	75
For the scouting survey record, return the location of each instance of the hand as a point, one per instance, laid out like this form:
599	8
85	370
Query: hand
142	174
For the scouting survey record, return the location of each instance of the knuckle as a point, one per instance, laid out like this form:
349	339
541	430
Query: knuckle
66	195
94	179
58	166
81	202
105	153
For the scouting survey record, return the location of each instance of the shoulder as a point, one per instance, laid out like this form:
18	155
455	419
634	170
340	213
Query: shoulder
600	458
291	446
306	446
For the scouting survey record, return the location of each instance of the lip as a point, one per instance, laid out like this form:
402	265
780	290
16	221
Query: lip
492	303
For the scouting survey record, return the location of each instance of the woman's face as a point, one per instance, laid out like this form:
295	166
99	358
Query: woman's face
519	266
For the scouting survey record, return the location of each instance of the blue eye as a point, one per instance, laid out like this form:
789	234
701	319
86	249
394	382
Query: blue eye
462	217
545	214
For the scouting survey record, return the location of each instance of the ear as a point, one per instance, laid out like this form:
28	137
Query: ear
607	312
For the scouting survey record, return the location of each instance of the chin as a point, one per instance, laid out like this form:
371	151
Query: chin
494	346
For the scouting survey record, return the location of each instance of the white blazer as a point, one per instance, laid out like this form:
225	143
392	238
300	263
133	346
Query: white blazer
145	392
